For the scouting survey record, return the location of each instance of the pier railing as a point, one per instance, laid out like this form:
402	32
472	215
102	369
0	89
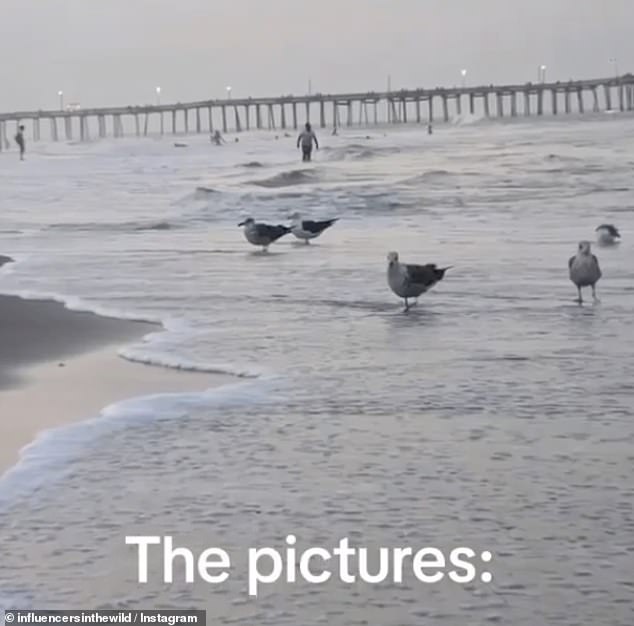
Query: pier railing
418	105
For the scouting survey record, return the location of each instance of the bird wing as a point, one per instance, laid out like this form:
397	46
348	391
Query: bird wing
571	260
596	262
422	274
612	230
271	232
316	227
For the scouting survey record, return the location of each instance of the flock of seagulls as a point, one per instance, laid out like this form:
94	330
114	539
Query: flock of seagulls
264	235
409	281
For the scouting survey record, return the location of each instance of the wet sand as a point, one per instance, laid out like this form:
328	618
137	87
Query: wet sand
59	366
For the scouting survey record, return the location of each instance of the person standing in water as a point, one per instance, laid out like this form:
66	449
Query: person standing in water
19	139
217	138
306	138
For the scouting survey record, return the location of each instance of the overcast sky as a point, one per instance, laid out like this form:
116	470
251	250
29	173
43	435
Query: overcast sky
107	52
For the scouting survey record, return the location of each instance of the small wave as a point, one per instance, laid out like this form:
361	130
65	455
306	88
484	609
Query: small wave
15	600
155	226
371	153
365	154
586	169
46	458
426	176
189	366
252	164
361	152
602	189
203	192
73	303
110	226
468	119
287	179
564	159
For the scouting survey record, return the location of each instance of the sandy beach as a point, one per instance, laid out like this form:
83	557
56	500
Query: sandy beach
59	366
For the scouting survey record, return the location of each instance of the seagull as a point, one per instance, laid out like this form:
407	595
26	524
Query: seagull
307	229
262	234
584	270
410	281
607	235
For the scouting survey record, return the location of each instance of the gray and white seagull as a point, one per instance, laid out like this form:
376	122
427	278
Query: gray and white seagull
262	234
584	270
410	281
308	229
607	235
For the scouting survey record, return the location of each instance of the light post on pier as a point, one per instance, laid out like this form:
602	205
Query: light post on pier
158	104
463	73
542	74
60	95
228	93
615	64
387	102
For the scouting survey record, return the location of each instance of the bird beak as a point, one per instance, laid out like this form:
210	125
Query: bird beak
241	224
444	269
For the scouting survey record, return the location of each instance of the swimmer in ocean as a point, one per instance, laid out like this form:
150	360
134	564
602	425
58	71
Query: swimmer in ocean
19	139
306	138
217	138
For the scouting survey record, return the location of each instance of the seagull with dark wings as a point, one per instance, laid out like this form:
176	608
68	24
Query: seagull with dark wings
410	281
308	229
607	235
262	234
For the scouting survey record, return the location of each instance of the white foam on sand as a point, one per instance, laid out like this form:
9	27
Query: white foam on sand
136	355
47	456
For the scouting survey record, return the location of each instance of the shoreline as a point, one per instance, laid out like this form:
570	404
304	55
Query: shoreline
59	367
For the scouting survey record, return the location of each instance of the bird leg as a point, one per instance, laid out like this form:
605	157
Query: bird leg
580	298
594	294
406	305
306	241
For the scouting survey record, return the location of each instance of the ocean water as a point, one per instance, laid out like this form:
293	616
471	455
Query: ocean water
498	414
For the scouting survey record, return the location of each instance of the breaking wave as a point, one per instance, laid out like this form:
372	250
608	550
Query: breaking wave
111	226
287	179
203	192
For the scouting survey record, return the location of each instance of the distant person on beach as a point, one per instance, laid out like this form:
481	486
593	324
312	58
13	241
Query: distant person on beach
19	139
217	138
334	131
306	138
430	129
